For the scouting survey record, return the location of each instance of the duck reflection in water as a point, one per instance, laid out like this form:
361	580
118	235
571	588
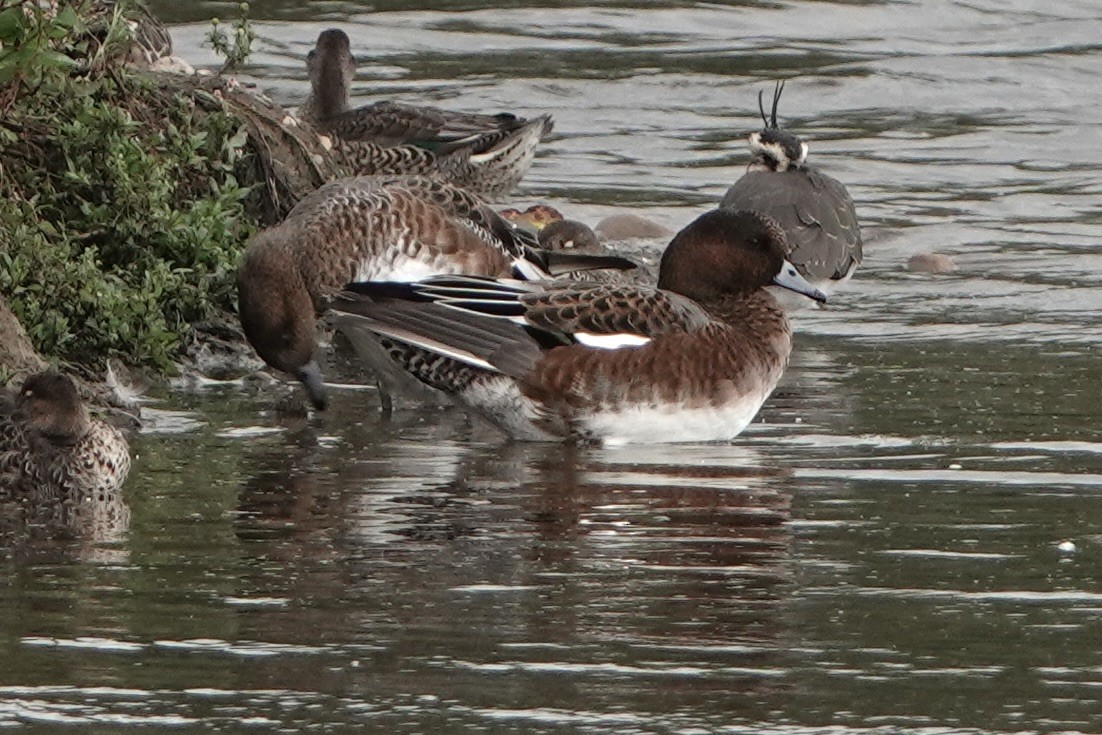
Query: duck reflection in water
610	552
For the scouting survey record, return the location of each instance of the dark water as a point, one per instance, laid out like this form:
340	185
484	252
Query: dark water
878	554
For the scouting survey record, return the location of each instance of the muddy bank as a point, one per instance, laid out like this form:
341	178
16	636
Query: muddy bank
18	357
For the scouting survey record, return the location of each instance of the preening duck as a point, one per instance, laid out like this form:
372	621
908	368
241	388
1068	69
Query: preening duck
50	446
373	228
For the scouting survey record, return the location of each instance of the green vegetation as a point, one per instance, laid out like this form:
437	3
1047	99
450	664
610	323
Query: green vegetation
121	215
236	49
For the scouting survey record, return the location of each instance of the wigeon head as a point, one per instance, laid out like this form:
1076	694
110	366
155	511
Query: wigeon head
730	253
568	234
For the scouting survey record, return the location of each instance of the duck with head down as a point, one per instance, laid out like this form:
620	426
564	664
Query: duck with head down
372	228
691	360
554	231
487	154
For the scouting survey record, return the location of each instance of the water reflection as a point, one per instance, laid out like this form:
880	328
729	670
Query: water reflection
58	526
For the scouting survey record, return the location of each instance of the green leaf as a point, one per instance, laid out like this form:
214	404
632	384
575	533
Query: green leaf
57	60
67	17
12	23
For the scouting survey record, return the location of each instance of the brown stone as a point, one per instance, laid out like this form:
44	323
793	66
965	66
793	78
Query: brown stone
931	263
627	226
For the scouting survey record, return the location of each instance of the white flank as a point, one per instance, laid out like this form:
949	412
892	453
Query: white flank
668	423
395	265
500	400
611	341
407	270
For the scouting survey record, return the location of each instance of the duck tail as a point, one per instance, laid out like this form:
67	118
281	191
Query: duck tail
515	143
496	166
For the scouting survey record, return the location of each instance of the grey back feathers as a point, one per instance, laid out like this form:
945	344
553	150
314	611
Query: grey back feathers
815	210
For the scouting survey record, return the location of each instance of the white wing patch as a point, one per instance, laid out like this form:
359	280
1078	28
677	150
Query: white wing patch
611	341
406	270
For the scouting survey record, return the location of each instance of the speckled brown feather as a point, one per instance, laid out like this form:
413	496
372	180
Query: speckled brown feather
390	123
702	359
87	458
507	157
611	309
488	154
355	229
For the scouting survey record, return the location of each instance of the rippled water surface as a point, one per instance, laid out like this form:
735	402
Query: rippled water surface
881	552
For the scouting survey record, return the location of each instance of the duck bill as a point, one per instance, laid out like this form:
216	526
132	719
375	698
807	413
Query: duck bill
310	376
791	279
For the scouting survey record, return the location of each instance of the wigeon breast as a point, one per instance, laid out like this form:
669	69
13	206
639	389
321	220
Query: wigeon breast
487	154
690	360
815	210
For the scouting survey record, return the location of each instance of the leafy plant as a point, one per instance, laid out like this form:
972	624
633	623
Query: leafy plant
29	38
121	218
235	46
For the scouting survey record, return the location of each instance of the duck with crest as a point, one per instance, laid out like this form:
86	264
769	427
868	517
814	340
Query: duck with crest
487	154
691	360
815	210
399	228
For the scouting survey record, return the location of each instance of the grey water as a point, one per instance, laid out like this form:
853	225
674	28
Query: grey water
907	540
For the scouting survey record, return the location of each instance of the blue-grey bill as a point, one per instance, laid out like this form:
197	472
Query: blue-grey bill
791	279
310	375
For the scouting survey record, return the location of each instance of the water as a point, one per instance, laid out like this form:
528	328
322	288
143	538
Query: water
879	553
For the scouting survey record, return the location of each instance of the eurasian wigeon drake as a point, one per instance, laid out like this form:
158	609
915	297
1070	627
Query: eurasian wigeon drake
815	210
51	447
373	228
487	154
691	360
